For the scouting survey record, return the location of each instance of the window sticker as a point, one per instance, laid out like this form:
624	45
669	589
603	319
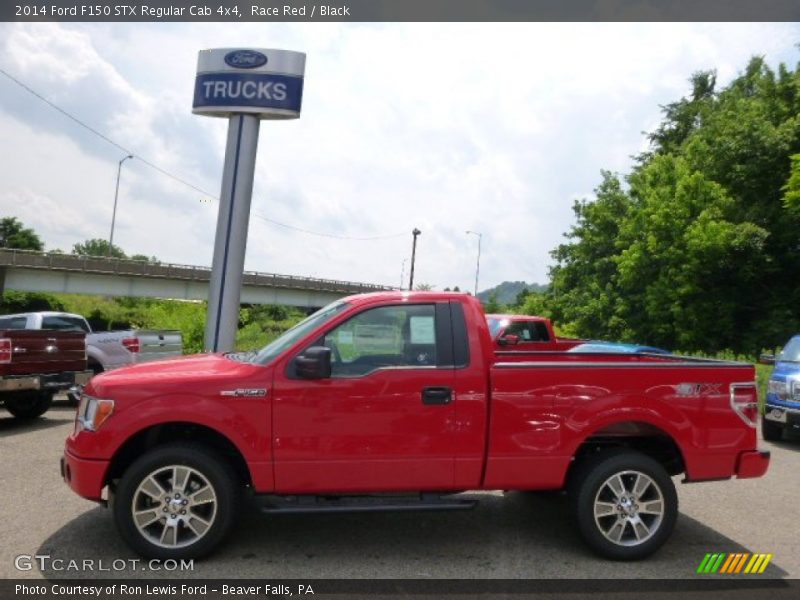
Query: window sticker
422	330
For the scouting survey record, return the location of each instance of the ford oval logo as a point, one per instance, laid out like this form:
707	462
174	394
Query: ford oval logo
245	59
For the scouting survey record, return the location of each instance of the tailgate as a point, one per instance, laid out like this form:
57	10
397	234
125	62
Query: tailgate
45	351
155	345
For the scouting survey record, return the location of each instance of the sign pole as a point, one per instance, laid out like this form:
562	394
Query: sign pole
244	85
227	267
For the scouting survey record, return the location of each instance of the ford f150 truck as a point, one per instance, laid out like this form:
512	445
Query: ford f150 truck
106	350
394	401
782	406
526	333
36	364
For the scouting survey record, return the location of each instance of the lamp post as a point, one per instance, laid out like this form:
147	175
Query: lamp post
114	214
478	264
415	233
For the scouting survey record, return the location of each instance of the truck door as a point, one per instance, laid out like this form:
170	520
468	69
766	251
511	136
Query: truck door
384	420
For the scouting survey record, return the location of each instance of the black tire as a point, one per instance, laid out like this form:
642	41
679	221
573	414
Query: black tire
218	475
588	485
29	405
771	431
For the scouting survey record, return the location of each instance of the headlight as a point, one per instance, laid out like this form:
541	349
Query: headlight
93	412
777	387
795	387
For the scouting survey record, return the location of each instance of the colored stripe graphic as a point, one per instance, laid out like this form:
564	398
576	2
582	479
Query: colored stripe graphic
742	560
728	562
703	563
734	563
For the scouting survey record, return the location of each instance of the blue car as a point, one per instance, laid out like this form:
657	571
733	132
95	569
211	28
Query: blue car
616	348
782	410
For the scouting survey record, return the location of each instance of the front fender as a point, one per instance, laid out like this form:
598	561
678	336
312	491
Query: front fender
243	421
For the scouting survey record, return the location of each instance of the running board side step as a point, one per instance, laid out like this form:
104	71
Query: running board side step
351	504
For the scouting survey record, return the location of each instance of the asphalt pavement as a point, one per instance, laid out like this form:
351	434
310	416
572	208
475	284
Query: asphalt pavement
513	535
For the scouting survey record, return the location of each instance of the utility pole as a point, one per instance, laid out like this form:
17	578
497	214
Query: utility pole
415	233
114	214
478	265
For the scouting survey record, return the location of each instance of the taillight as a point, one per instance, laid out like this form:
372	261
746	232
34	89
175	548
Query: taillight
744	401
6	350
132	344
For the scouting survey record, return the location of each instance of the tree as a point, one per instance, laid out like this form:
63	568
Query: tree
698	248
13	234
144	258
424	287
492	305
97	247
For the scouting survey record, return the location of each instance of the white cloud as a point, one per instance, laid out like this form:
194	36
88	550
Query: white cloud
446	127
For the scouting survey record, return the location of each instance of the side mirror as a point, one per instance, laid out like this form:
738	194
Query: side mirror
314	363
766	359
509	340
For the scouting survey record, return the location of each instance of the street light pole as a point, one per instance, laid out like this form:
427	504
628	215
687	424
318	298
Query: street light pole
478	265
114	214
415	233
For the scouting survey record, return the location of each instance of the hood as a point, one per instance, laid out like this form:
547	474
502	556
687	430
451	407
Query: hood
191	373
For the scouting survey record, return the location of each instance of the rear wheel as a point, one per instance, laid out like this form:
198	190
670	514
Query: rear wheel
771	431
176	501
29	405
625	504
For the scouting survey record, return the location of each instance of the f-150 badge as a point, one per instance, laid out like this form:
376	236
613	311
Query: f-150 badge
245	392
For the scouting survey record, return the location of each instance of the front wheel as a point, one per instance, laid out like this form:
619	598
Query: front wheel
625	504
176	501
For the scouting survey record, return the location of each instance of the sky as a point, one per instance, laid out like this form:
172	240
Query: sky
450	127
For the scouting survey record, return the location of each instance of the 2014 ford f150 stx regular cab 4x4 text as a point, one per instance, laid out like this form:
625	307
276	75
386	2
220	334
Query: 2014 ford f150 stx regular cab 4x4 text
394	400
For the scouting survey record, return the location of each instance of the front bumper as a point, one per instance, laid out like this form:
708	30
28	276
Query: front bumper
85	477
789	415
753	463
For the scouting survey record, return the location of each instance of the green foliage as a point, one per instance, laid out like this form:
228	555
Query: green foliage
492	306
17	302
259	325
13	234
424	287
98	247
699	246
509	292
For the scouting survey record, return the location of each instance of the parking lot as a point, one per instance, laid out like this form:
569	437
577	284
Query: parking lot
507	536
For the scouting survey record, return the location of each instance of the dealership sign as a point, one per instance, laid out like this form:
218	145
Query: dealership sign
266	83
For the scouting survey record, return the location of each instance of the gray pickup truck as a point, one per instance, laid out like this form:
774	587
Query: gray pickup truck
105	350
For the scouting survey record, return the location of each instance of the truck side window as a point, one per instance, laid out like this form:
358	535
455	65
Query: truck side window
388	336
528	331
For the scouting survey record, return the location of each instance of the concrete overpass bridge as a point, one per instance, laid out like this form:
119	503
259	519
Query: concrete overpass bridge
28	271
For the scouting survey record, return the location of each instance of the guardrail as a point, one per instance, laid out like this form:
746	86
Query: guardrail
55	261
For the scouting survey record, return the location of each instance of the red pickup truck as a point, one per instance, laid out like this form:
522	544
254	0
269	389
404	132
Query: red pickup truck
393	401
526	333
34	365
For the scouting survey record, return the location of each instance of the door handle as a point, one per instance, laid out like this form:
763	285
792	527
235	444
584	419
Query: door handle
437	395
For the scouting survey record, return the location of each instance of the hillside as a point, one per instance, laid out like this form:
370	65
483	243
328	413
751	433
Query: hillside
508	290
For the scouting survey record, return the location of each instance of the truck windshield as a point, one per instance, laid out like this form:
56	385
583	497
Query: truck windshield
791	353
319	318
495	325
